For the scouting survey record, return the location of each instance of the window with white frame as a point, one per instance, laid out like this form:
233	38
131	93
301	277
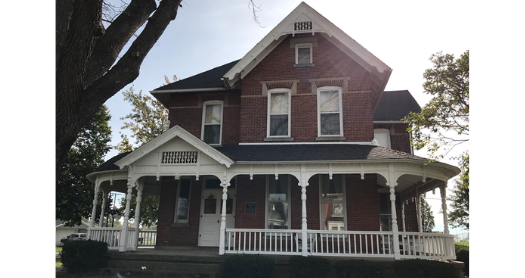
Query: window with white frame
329	108
278	202
382	135
385	212
183	201
279	113
332	203
212	122
303	54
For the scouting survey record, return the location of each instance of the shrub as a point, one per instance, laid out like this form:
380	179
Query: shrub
306	267
83	256
359	269
417	268
254	266
462	254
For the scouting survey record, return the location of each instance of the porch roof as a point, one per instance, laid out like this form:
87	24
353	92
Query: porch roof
312	152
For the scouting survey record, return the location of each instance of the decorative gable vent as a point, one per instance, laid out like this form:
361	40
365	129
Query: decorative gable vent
303	26
182	157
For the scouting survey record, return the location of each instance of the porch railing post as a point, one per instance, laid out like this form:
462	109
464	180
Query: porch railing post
124	236
222	236
137	216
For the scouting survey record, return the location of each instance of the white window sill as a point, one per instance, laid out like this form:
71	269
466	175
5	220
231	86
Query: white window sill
330	138
303	65
278	139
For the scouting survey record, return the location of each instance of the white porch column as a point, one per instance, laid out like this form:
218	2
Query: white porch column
94	210
443	190
419	220
304	234
124	234
137	215
403	215
103	210
395	229
222	236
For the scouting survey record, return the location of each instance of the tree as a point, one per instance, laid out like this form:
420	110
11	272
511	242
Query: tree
459	217
147	120
443	122
427	217
89	69
149	210
74	192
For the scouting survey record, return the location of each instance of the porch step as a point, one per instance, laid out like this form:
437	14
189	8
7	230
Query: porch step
158	265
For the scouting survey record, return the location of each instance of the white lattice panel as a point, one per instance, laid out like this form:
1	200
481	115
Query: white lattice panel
179	157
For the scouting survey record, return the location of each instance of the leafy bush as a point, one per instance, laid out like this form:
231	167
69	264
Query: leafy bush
82	256
359	269
462	254
253	266
417	268
308	267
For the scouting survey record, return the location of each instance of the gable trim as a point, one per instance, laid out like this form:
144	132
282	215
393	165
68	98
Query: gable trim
173	132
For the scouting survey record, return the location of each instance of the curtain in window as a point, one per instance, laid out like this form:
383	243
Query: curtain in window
329	112
303	55
332	203
278	203
279	114
183	202
212	124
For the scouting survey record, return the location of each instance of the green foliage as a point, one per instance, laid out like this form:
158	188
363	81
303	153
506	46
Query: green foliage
82	256
459	216
308	267
359	269
147	120
427	217
443	122
462	255
417	268
253	266
74	192
149	209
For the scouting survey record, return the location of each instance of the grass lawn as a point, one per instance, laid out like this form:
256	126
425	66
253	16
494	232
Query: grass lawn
58	249
462	243
58	262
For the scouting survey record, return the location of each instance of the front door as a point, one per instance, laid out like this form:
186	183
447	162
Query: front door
211	208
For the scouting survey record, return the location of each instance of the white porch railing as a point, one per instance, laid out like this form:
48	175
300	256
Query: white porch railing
147	238
112	237
339	243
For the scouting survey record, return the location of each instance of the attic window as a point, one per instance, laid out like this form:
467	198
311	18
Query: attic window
303	54
303	26
181	157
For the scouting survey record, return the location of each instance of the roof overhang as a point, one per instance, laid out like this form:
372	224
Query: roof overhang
380	72
164	95
173	132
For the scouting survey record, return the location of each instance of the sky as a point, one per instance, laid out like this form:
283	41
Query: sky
205	34
208	34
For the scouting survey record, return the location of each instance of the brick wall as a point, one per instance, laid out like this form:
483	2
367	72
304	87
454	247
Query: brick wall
329	62
362	203
399	137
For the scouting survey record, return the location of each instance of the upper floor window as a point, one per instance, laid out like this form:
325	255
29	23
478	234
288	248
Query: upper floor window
382	135
212	122
329	107
303	54
279	113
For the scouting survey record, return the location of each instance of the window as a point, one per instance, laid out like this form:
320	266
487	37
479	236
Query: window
212	122
385	214
303	54
332	203
278	203
382	135
279	113
329	106
183	201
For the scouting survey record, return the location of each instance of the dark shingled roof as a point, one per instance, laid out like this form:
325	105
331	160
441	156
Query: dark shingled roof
110	164
207	79
311	152
395	105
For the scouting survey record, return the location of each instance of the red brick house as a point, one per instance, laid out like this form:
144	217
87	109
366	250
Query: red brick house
294	149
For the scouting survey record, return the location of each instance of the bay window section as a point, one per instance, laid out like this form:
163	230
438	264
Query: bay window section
278	203
329	107
279	113
212	123
332	203
183	201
